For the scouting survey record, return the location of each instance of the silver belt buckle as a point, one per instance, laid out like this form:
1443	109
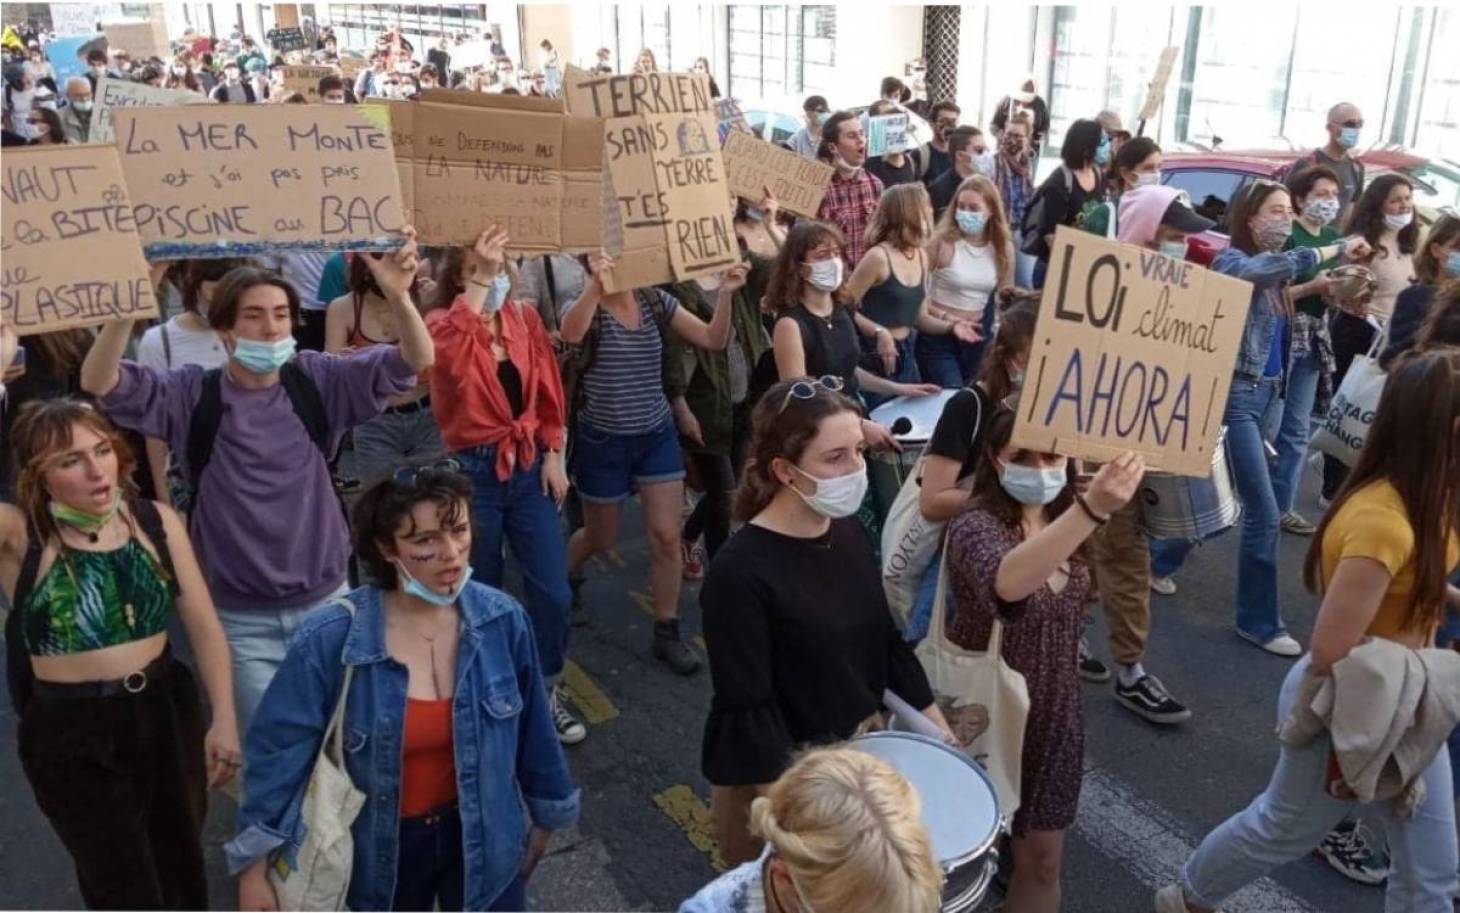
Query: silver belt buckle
134	682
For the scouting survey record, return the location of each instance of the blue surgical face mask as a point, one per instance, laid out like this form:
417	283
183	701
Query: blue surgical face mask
1176	250
258	357
1102	152
969	222
416	588
497	294
1452	263
1028	485
1348	137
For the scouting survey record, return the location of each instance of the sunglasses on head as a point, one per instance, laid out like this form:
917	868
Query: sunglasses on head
807	389
407	475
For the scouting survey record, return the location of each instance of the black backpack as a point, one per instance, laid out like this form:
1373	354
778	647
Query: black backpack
19	676
207	415
1031	239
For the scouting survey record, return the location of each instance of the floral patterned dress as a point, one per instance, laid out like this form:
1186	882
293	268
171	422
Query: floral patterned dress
1041	641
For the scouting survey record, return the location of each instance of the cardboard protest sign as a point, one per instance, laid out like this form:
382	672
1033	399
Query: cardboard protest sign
305	81
886	133
237	180
752	165
350	67
730	116
72	255
469	160
73	18
667	202
113	93
1157	91
1133	351
286	39
141	40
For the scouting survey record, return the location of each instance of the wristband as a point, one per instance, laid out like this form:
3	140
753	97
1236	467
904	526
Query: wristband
1089	511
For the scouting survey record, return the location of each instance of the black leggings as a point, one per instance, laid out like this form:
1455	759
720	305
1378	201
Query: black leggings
720	473
123	782
1352	337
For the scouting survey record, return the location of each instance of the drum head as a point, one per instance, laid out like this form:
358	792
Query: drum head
960	808
922	414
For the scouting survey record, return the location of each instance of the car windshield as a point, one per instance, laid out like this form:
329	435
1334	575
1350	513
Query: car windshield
1438	185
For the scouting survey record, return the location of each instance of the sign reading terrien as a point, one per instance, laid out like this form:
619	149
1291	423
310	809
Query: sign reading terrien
469	160
667	212
72	256
752	165
305	80
1133	351
886	133
238	180
113	93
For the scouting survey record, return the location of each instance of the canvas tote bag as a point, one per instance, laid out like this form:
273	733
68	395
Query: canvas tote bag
1346	427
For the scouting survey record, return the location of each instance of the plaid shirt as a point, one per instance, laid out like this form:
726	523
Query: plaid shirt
849	205
1016	190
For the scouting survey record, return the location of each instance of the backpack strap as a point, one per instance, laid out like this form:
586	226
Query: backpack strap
552	290
308	405
19	676
166	345
150	519
304	397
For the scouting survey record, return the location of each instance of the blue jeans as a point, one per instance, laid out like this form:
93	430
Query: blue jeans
1295	429
1295	812
1024	269
607	467
430	871
905	372
1167	555
949	362
1258	614
518	511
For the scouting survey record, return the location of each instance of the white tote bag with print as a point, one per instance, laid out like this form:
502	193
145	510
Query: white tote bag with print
1346	427
985	701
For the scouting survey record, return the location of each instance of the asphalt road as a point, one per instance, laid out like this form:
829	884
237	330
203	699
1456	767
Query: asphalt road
1150	793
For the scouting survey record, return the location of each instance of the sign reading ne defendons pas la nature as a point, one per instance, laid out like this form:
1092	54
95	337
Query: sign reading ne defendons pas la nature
1133	351
667	208
239	180
71	254
468	161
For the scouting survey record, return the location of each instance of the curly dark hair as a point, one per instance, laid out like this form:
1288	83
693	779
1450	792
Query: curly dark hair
386	506
1367	218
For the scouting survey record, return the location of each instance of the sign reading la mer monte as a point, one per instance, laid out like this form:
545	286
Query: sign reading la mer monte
1133	350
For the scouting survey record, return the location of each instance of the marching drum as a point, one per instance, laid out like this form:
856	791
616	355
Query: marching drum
960	810
1183	507
911	420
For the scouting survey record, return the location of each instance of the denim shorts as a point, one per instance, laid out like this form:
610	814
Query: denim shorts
607	466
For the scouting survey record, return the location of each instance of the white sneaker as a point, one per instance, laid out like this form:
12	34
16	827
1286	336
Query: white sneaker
1163	585
1282	645
1170	899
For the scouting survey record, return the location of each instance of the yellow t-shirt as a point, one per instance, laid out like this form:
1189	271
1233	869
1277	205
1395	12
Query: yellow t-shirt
1374	524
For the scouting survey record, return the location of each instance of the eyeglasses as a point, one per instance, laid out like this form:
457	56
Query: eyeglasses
1352	124
806	389
407	475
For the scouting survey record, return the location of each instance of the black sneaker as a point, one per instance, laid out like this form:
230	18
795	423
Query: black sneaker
1347	849
670	648
1091	669
578	616
1150	700
570	730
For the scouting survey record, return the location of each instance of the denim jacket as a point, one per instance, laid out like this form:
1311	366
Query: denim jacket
1268	272
740	890
506	749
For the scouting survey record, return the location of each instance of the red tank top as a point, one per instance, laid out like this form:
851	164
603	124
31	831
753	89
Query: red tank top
428	772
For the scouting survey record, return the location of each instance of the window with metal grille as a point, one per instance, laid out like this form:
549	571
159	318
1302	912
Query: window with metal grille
781	50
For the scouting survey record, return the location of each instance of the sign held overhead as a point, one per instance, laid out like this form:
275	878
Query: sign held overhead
752	165
71	249
1133	351
113	93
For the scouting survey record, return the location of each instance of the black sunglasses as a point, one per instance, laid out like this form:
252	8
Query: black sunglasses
407	475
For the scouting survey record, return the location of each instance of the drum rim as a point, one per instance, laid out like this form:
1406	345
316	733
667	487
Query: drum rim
971	896
1001	819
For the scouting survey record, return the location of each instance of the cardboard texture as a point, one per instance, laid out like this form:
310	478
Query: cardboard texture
752	164
72	255
1133	351
350	68
1157	91
112	93
667	212
469	160
237	180
886	133
305	81
140	40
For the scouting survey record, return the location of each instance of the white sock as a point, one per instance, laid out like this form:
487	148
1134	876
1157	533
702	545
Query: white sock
1131	674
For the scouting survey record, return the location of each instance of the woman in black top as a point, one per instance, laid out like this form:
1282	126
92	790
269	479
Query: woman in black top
800	639
1076	183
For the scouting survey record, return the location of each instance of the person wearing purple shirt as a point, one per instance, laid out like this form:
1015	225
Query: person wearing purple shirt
268	528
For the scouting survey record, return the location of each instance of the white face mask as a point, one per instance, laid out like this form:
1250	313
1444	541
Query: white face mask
1028	485
838	497
1398	220
827	274
1148	178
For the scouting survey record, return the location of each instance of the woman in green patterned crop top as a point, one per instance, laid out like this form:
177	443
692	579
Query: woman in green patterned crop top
111	729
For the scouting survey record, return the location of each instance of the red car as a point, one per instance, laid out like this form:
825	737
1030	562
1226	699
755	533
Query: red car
1213	180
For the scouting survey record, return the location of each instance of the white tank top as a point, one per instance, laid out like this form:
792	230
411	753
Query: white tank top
965	283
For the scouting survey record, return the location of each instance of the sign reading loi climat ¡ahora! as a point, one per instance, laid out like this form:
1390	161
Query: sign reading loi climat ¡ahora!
666	201
238	180
1133	351
113	93
468	161
72	256
752	165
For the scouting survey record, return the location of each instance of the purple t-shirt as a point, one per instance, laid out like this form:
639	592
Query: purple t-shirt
266	523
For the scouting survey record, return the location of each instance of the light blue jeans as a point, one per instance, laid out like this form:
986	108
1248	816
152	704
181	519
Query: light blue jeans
1295	428
258	639
1295	812
1258	614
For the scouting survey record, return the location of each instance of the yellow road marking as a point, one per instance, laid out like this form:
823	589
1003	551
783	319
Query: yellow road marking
692	815
586	695
644	601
